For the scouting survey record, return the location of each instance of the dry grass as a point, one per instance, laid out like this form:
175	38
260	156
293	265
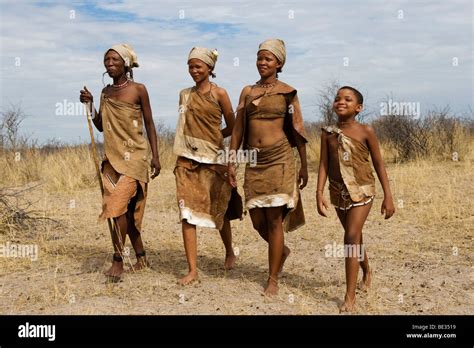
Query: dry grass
422	257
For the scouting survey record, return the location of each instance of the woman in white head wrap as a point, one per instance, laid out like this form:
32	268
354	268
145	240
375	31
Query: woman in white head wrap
205	198
269	121
124	110
128	56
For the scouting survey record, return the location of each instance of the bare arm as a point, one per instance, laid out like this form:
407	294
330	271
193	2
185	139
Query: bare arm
237	135
303	174
97	120
226	107
238	131
373	144
150	129
322	175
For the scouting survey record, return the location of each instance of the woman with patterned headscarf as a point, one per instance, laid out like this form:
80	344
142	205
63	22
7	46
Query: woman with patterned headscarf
124	110
269	121
205	198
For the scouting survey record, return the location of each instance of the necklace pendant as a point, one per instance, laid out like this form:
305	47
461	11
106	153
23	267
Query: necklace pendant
266	85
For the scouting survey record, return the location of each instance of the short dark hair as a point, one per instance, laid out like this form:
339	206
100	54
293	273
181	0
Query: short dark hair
359	96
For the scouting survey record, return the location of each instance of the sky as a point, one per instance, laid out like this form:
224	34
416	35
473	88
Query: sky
409	51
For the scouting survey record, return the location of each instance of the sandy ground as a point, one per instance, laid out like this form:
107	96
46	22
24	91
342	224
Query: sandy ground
422	257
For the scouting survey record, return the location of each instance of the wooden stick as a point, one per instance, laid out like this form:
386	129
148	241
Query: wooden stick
88	107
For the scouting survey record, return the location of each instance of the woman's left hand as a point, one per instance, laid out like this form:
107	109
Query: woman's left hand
155	167
387	207
303	177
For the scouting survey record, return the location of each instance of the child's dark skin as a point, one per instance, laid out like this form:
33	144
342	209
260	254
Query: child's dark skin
347	107
133	93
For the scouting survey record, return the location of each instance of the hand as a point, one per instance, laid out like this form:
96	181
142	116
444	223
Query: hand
387	208
322	204
232	175
155	167
303	177
86	96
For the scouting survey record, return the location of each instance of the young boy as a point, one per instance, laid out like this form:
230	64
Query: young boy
345	150
125	165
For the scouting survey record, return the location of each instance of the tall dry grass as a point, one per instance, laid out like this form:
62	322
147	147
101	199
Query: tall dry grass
70	168
62	168
434	137
423	253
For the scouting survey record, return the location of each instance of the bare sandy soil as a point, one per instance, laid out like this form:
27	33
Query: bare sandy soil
422	257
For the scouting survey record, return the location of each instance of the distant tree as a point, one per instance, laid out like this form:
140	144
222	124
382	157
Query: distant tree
10	122
325	100
326	95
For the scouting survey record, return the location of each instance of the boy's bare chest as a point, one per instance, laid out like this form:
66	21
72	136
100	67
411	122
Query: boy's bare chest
333	138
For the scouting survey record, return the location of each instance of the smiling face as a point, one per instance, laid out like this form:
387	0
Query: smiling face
114	64
267	64
198	70
345	104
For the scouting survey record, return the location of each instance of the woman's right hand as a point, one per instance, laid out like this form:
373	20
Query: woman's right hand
232	175
86	96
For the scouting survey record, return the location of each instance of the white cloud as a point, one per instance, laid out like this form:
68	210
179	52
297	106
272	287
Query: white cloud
409	57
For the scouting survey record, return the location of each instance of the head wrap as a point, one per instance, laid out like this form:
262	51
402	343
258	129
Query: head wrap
127	53
275	46
205	54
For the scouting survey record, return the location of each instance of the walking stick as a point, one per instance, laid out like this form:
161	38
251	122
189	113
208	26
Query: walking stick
87	106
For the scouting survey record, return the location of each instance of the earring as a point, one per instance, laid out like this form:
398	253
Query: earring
103	78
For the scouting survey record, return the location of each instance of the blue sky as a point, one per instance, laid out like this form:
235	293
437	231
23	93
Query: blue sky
402	49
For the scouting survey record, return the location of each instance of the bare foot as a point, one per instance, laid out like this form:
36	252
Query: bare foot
229	261
189	278
272	287
142	263
115	270
366	281
286	252
348	305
